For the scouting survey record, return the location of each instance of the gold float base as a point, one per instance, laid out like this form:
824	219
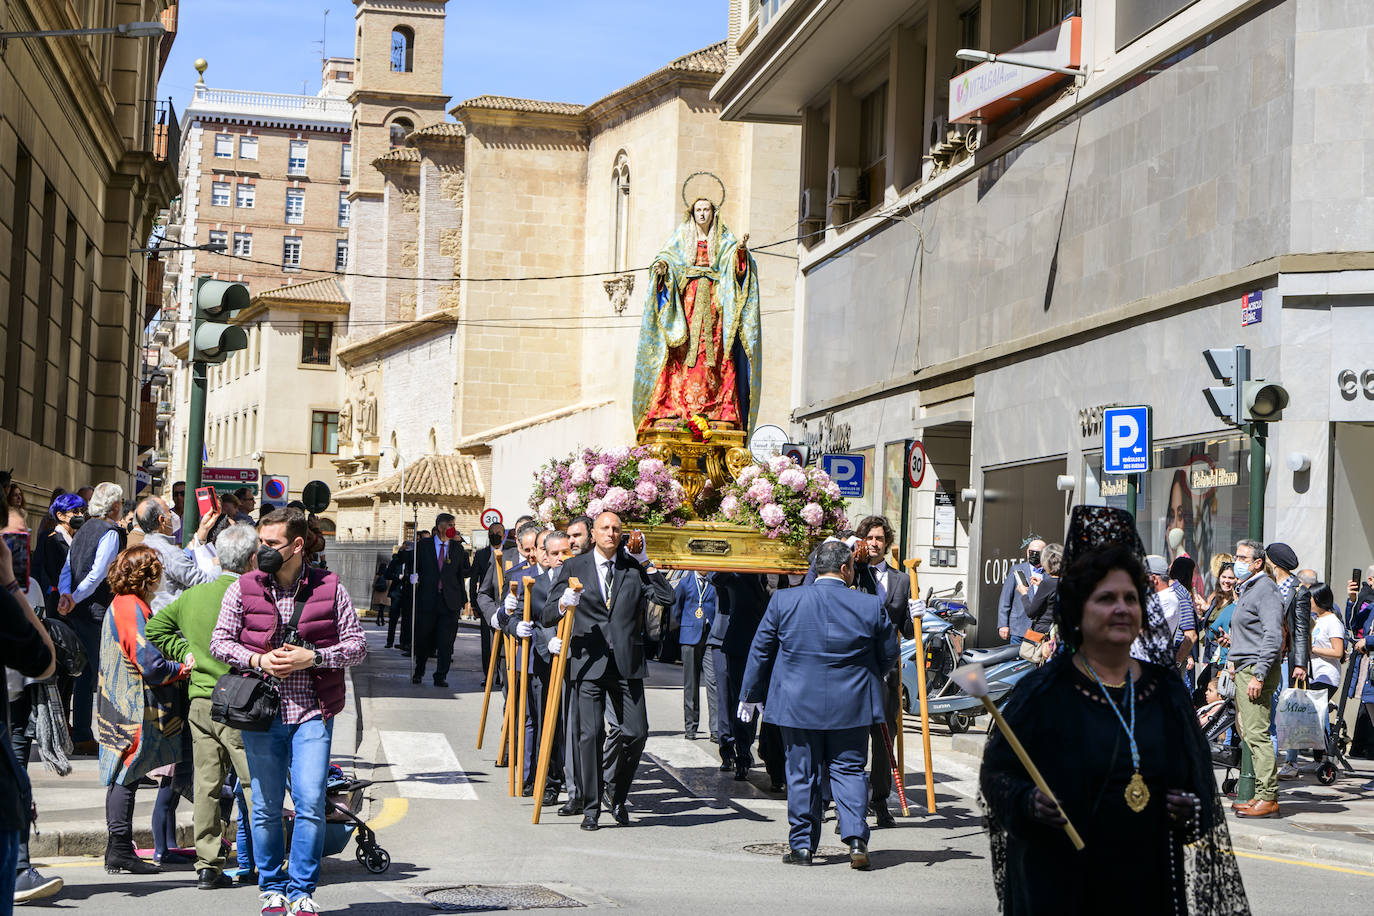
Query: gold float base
721	547
718	460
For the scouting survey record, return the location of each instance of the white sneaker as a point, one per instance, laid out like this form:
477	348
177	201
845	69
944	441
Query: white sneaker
274	904
304	905
1288	771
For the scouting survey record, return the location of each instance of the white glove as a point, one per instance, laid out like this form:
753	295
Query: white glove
511	603
643	555
916	607
494	624
555	645
414	578
524	629
746	711
569	600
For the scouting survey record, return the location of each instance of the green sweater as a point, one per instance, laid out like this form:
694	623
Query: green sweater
186	625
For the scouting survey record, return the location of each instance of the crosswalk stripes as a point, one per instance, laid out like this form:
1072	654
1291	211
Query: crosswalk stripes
423	765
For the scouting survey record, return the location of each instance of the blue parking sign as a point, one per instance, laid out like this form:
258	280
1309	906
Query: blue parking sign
1126	440
848	473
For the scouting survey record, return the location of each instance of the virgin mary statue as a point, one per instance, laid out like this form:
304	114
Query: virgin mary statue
699	340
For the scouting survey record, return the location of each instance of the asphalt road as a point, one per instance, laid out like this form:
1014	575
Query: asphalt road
443	812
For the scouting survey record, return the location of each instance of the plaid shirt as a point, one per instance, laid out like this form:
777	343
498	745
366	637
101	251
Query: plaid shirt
299	702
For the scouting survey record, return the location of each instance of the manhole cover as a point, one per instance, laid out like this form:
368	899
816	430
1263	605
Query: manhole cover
481	898
777	849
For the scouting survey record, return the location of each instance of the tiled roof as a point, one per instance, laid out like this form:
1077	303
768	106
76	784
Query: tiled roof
403	154
443	129
505	103
707	60
433	477
325	289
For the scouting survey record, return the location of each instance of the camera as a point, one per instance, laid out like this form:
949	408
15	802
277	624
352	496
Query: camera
293	637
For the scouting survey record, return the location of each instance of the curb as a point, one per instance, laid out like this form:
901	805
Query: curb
83	840
1324	849
970	744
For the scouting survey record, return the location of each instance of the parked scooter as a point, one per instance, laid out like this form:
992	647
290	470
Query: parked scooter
942	630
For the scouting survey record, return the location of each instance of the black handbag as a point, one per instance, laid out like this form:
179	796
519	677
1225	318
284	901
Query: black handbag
245	700
248	700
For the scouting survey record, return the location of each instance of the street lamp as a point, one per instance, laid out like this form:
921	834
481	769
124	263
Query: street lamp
126	29
1017	60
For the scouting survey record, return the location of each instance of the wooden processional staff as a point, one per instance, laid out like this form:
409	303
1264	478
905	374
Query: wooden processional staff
495	651
560	668
920	658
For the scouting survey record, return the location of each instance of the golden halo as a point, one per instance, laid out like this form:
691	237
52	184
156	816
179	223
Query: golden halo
699	186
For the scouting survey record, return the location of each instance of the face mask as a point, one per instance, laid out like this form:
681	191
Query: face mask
270	559
1033	558
1242	570
77	521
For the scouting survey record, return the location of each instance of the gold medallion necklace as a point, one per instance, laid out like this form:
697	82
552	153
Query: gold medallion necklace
1137	793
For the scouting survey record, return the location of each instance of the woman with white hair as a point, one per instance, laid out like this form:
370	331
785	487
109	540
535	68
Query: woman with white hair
86	595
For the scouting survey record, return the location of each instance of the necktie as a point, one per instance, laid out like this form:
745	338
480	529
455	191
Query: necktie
606	585
878	578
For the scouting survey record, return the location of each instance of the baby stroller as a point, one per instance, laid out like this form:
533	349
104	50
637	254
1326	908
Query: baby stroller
341	821
1218	722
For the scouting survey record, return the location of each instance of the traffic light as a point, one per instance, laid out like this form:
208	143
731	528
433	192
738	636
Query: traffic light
1262	402
1231	366
216	303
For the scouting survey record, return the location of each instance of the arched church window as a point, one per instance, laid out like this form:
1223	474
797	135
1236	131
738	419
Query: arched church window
620	188
402	49
400	129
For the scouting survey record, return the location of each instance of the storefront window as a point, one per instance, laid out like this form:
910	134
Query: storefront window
1199	489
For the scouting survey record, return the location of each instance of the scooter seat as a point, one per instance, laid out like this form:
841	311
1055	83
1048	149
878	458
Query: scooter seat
987	657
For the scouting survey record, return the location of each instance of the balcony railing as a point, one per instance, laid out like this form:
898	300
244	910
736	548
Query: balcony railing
242	101
162	135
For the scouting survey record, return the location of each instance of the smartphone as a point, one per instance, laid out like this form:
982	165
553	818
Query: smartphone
1355	576
207	500
1021	577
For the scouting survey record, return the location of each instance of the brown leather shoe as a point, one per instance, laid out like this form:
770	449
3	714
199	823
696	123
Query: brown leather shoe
1239	806
1260	808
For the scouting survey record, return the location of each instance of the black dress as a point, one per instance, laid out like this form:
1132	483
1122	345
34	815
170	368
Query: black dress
1083	752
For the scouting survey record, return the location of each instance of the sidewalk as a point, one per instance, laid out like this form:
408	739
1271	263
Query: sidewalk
71	809
1332	824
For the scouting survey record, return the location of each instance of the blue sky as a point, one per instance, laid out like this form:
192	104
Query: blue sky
570	51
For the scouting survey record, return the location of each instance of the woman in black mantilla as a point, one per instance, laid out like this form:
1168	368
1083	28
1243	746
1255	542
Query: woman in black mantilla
1117	741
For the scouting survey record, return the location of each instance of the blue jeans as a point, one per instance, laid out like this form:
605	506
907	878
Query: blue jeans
302	753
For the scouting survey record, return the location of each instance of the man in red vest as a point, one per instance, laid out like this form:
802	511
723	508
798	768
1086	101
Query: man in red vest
296	624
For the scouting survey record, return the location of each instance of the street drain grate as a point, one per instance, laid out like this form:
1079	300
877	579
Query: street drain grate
778	849
485	898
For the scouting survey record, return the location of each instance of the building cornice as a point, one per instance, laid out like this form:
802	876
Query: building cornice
421	99
420	329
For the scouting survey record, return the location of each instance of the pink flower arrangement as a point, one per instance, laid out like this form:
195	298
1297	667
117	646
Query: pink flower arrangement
631	482
784	501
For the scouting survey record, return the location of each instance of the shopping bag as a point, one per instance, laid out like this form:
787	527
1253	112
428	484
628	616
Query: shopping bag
1301	719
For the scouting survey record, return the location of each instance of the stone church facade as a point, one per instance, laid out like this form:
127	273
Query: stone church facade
500	264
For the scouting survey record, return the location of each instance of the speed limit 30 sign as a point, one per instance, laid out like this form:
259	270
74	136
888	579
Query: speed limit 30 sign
915	463
491	517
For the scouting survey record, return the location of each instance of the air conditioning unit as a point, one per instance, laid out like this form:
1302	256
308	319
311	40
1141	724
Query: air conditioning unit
844	184
812	205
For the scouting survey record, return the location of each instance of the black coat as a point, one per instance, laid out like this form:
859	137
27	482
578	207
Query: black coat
603	635
453	592
743	599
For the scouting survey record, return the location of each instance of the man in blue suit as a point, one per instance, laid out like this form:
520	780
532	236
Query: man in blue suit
1012	619
820	654
693	614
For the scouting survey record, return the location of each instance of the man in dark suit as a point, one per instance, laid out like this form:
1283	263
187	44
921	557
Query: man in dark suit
607	663
715	645
825	693
693	614
494	607
745	596
442	565
893	588
551	549
481	563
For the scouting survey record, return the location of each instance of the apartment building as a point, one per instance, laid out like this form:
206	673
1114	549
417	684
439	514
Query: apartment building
266	176
1008	250
88	159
